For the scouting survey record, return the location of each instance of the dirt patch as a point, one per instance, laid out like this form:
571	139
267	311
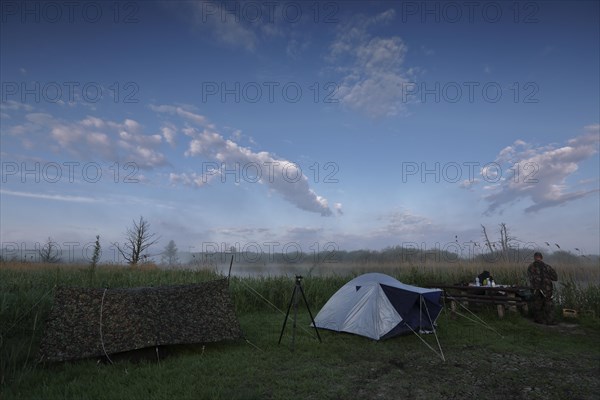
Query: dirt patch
473	374
562	327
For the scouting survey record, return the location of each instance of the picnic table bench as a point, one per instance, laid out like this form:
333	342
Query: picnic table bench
511	297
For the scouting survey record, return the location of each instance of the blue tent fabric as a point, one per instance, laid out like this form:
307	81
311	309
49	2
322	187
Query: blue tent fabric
380	307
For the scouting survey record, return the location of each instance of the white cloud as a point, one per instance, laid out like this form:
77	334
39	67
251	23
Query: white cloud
65	135
98	139
540	174
191	179
404	222
132	126
593	128
169	132
15	106
182	112
91	135
373	76
338	208
469	183
57	197
222	22
93	122
394	227
279	175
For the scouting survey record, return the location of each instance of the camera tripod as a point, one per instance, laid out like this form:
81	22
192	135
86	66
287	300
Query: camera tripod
294	302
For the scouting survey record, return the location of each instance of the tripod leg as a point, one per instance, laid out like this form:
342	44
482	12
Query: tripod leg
287	314
295	317
310	313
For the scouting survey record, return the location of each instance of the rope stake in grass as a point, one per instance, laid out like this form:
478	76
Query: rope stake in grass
101	337
482	322
434	330
253	345
426	344
271	304
30	309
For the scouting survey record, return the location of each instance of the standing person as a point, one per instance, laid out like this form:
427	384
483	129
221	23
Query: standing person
541	276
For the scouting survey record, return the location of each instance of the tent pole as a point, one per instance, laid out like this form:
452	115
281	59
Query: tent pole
230	265
420	311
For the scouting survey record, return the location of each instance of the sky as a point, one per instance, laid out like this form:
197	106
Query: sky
300	126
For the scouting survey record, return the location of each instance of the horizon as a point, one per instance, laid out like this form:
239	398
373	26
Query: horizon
410	253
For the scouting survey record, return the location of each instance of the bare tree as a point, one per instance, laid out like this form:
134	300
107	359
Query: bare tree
169	255
49	253
137	240
487	239
505	240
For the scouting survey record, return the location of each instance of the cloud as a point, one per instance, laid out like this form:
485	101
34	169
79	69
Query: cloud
373	75
169	132
540	174
191	179
279	175
223	22
56	197
13	105
298	43
469	183
394	227
427	51
182	112
593	128
403	222
249	233
91	135
338	208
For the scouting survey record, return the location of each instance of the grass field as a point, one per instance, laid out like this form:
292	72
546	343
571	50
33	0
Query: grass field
513	359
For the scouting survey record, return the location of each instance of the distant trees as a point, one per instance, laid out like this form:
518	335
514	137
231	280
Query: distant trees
169	255
138	239
49	253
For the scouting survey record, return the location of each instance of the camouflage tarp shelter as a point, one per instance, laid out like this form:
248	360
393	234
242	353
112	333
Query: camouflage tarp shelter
91	322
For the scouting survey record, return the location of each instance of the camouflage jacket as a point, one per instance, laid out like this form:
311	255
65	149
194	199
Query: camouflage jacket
541	276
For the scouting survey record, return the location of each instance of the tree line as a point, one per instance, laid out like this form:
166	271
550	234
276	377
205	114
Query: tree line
139	239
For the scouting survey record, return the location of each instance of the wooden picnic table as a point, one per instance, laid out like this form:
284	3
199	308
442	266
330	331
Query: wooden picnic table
511	297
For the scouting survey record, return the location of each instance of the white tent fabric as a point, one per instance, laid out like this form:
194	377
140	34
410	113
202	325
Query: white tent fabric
375	305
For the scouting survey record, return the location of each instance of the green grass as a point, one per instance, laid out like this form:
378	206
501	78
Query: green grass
343	366
522	360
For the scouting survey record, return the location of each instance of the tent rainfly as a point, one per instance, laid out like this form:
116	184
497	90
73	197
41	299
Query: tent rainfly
91	322
380	307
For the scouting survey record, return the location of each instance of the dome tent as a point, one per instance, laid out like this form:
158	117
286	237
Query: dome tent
380	307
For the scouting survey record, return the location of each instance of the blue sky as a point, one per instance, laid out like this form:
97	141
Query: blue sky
344	125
